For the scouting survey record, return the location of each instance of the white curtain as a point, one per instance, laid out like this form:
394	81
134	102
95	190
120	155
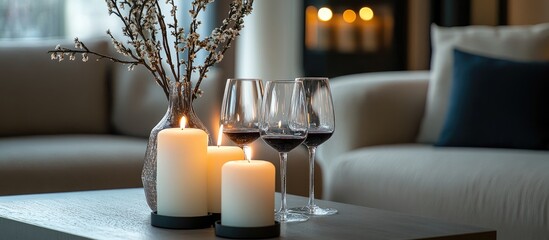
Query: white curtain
270	45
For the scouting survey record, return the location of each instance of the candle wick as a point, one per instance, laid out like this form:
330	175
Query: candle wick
249	161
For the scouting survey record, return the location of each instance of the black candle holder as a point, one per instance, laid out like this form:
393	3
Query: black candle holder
170	222
247	232
215	217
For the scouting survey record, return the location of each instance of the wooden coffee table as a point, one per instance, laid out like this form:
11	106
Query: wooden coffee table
124	214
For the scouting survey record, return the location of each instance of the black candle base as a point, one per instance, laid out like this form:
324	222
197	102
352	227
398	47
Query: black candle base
170	222
247	232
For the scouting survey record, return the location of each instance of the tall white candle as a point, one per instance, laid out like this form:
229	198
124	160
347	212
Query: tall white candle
217	156
247	194
370	35
182	172
311	25
345	35
324	35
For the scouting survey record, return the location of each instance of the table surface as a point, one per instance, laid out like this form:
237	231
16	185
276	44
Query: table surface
124	214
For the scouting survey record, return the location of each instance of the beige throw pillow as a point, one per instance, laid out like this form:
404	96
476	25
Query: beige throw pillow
510	42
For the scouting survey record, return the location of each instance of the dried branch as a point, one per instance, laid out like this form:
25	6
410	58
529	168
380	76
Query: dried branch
148	34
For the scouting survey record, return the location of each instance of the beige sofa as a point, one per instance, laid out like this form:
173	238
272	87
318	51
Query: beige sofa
373	160
66	126
79	126
382	152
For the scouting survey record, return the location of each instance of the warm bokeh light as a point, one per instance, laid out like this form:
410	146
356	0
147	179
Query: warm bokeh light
183	122
325	14
366	13
349	16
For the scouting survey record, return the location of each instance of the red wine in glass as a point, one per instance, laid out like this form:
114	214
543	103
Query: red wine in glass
240	111
321	117
283	126
315	138
242	137
284	143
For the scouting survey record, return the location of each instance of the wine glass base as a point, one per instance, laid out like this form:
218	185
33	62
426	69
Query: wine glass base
290	217
314	210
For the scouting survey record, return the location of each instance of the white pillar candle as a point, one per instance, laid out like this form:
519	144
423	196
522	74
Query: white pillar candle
324	35
345	35
247	194
311	25
370	35
182	172
217	156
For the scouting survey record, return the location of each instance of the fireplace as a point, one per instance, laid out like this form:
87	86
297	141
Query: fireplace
351	36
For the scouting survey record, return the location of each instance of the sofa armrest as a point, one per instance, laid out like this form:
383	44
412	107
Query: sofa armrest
374	109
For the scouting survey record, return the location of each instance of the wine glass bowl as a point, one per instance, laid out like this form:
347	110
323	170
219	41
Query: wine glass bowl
240	111
321	127
284	126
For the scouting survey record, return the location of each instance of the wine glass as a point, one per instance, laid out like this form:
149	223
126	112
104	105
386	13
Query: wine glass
321	127
240	111
283	126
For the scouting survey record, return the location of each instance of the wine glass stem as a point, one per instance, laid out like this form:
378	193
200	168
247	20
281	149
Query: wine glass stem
312	153
283	163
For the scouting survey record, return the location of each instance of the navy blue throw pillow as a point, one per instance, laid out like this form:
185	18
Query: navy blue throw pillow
497	103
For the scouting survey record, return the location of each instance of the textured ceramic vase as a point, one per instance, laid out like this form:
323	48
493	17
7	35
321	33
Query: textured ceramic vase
179	104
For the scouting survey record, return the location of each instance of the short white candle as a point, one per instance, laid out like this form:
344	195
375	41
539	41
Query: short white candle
217	156
247	194
182	172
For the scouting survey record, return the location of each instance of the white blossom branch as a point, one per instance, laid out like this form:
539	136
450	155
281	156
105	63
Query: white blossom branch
147	35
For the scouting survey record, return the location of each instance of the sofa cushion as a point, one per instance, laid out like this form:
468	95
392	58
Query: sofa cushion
34	164
41	96
513	42
502	189
497	103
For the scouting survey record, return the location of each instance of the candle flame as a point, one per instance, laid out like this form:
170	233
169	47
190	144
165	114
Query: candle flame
219	135
279	124
183	122
248	153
